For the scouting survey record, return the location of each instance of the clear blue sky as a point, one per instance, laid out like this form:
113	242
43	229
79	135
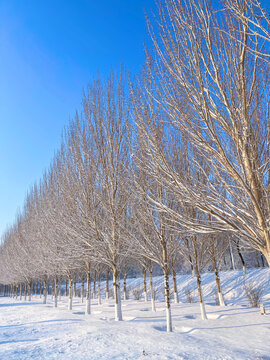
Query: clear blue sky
49	51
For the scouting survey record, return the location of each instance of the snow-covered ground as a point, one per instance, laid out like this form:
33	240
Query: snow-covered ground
31	330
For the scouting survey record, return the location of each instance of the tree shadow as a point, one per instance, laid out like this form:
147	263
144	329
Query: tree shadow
20	304
17	341
189	331
41	322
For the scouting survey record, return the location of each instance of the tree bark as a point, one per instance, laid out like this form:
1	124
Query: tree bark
176	299
82	286
125	284
117	298
70	280
220	294
198	277
25	291
99	293
30	290
94	284
241	258
107	284
144	284
152	290
55	291
45	292
88	290
165	269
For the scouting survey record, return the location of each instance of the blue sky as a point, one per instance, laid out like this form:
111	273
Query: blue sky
49	51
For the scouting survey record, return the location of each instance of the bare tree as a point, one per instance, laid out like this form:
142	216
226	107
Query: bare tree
213	90
106	115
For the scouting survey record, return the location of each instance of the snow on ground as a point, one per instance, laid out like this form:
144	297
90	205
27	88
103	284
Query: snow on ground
31	330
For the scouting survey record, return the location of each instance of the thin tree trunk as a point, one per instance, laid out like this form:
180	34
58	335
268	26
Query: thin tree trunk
176	299
152	289
190	259
45	292
117	298
94	284
214	264
40	289
88	290
262	259
70	293
107	284
20	291
231	254
99	293
241	258
74	286
82	286
29	290
125	284
266	254
59	289
144	284
66	285
198	277
25	291
55	291
167	288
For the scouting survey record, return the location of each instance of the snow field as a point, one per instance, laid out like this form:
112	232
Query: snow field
31	330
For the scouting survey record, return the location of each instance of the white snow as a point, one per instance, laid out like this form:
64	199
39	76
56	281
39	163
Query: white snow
32	330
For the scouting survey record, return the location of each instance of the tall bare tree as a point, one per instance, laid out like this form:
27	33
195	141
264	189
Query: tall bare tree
208	78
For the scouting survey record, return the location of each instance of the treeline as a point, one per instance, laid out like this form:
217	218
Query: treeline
172	164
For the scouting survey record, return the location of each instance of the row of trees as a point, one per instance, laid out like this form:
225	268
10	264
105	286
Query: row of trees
171	164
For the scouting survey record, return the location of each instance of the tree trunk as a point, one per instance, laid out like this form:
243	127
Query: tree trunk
74	286
198	277
20	291
82	286
94	284
125	284
167	298
70	293
152	290
144	284
99	293
88	290
25	291
220	294
167	287
107	284
59	289
45	292
29	290
231	255
66	285
241	258
266	254
117	298
55	291
176	299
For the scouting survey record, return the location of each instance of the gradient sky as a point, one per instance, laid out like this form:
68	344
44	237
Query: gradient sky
49	51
